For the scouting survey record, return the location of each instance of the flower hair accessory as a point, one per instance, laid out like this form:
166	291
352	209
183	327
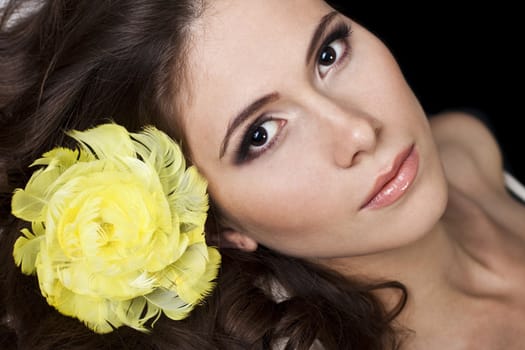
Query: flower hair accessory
117	232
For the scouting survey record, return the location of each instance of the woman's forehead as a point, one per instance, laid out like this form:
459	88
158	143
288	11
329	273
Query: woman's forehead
239	47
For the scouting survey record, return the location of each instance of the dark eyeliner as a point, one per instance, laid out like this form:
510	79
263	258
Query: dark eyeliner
341	31
242	150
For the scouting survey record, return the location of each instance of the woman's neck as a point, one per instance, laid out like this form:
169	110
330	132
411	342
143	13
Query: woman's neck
443	271
420	266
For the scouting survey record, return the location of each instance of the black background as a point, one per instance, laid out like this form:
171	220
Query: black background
458	55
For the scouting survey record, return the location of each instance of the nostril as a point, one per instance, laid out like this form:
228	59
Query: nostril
356	159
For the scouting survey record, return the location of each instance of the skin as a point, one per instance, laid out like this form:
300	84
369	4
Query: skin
456	238
335	133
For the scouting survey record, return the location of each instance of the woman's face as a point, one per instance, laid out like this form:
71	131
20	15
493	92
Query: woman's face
294	114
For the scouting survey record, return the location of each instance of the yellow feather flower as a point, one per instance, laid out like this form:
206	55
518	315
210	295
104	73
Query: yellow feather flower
117	229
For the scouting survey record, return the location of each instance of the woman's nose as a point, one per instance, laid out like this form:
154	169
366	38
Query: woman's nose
351	134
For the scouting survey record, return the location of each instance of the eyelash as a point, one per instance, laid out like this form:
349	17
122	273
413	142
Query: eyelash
243	154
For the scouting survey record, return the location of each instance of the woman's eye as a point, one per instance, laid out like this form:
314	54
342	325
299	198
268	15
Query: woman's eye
330	55
264	133
259	138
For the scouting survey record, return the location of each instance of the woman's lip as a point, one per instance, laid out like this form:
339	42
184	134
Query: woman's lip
390	186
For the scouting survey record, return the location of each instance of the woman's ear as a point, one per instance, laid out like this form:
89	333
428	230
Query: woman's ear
235	239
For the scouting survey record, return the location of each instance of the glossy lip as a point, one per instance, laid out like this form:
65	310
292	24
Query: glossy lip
389	187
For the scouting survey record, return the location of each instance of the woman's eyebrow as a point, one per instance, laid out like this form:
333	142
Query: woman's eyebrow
318	34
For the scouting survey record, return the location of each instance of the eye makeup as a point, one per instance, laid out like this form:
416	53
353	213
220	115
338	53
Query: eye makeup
254	134
338	37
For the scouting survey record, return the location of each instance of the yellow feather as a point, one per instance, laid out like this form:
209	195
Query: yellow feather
26	251
105	141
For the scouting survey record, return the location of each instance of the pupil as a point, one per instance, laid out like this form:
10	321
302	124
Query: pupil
259	136
328	56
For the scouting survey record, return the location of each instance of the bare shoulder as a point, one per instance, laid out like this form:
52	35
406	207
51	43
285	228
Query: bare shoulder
471	156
